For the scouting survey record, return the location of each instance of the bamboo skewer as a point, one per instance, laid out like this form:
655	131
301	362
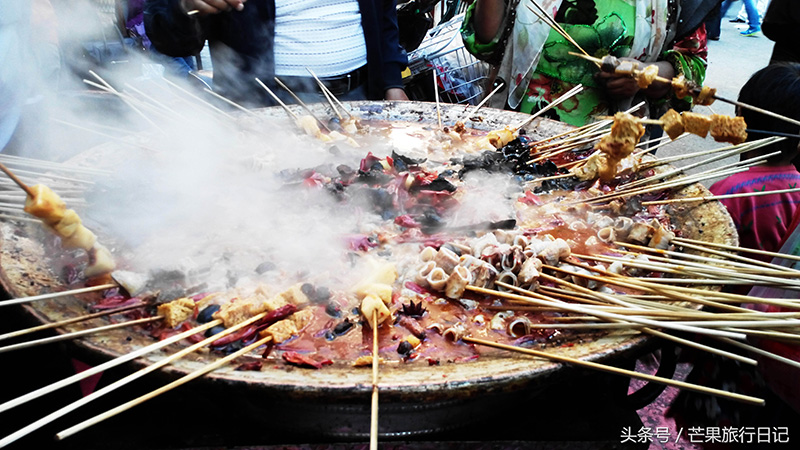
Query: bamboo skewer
681	182
60	323
666	336
329	93
618	371
289	112
104	366
581	310
11	160
477	107
301	103
128	101
19	183
16	301
183	380
735	150
76	334
230	102
652	149
200	100
373	426
564	97
749	265
714	273
543	15
123	381
684	241
436	96
761	352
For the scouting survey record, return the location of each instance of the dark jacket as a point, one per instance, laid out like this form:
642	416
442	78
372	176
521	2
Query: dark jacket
241	44
781	23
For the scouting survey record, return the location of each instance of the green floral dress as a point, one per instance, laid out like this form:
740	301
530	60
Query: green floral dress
535	59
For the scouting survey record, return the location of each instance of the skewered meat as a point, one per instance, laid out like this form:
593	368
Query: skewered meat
626	67
45	204
499	138
682	86
706	96
176	311
68	224
82	238
100	261
728	129
625	134
645	78
287	328
696	123
672	124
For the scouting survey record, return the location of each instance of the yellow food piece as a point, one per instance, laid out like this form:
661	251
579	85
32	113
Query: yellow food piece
100	261
672	124
176	311
82	238
45	204
696	123
68	224
380	290
291	326
499	138
371	304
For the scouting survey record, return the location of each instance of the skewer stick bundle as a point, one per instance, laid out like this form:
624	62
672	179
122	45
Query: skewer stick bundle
183	380
618	371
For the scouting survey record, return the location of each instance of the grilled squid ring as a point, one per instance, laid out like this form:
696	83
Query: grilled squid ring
437	279
607	234
427	254
623	226
520	326
422	274
512	260
507	277
521	240
454	333
446	259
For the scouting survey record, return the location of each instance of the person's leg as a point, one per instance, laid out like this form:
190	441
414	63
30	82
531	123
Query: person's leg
723	9
753	20
713	23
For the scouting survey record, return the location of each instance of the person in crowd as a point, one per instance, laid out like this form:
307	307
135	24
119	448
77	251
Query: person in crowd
781	23
535	62
133	14
753	17
352	45
30	65
762	221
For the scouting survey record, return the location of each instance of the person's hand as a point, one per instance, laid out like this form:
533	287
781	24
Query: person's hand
204	7
395	94
619	86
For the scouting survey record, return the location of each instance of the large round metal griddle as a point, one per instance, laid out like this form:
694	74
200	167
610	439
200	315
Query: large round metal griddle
334	400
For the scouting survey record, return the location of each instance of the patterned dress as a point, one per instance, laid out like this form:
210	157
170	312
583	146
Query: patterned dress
535	59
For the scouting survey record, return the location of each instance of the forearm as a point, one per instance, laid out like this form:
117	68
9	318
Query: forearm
488	19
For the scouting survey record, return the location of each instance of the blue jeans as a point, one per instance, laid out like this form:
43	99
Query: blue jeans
749	7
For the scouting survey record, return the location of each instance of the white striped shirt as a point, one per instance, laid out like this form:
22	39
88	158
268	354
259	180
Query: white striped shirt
323	35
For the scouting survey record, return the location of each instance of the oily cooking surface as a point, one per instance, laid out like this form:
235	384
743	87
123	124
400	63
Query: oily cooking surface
25	271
